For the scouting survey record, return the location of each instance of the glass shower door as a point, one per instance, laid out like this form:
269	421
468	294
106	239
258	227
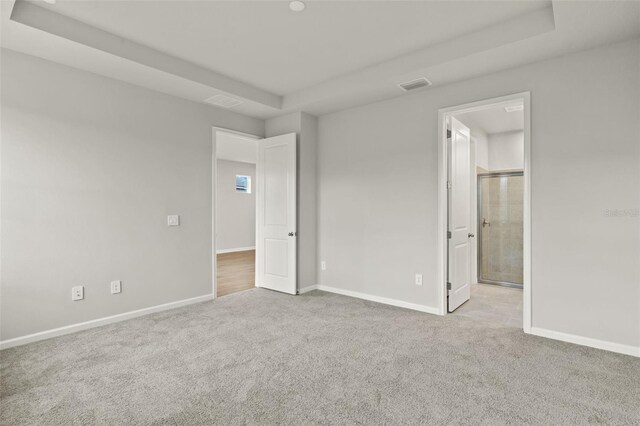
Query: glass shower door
500	217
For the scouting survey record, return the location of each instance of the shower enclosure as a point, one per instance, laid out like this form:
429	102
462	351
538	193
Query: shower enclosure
500	228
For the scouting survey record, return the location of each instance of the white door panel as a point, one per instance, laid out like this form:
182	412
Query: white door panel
276	254
276	233
275	185
459	175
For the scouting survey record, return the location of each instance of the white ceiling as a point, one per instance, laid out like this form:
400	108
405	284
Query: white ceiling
333	55
234	147
493	120
255	42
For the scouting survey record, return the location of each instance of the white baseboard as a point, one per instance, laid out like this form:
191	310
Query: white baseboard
23	340
587	341
233	250
556	335
570	338
307	289
378	299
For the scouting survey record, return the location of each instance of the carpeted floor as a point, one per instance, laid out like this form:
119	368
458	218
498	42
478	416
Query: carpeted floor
494	303
259	357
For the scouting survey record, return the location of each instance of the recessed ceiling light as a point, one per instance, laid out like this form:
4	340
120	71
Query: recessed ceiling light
514	108
50	1
297	6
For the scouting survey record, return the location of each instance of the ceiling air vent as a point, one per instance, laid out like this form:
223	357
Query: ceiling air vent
414	84
223	101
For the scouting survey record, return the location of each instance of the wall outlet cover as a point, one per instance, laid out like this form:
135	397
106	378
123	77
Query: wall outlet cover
323	265
173	220
116	287
77	293
418	279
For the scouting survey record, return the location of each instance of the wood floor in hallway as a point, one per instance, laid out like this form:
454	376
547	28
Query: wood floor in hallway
236	272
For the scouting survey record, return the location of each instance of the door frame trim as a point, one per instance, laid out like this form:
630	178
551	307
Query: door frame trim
443	115
214	197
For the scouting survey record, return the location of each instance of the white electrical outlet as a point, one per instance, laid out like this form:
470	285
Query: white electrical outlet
173	220
77	293
418	279
323	265
116	287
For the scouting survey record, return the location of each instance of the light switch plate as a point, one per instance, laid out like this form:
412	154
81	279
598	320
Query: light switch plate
173	220
418	279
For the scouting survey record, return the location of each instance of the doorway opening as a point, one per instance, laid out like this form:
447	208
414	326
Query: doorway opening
254	212
235	156
484	215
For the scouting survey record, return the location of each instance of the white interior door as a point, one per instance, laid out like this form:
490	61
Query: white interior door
276	227
459	217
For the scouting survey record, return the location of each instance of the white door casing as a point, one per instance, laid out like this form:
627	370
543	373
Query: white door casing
459	214
276	227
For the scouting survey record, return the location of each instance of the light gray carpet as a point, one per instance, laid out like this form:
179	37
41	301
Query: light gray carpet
260	357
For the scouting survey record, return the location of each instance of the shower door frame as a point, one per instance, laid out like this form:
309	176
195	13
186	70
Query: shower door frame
480	227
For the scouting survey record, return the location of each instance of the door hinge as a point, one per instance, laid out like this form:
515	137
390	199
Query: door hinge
449	184
448	286
448	133
449	234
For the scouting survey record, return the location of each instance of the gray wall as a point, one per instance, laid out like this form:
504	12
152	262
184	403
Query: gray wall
306	128
236	211
91	167
481	142
378	173
506	151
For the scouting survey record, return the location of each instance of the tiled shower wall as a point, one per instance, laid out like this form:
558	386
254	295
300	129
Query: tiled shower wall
501	199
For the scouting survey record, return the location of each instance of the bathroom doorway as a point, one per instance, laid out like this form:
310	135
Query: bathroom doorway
484	217
500	228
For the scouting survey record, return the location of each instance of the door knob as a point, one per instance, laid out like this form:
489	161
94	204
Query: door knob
291	234
471	235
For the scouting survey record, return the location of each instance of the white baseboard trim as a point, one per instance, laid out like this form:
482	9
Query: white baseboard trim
587	341
68	329
233	250
307	289
378	299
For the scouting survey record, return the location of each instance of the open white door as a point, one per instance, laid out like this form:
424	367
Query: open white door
459	217
276	227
